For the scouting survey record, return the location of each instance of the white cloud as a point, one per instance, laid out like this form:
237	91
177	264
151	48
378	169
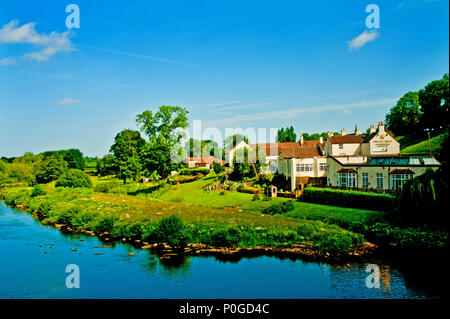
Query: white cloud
362	39
48	44
292	113
8	61
68	100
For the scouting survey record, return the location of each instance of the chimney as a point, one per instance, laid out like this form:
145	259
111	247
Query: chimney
321	140
301	140
372	129
380	127
357	131
329	134
343	132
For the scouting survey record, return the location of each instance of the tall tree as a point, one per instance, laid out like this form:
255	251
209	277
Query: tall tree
51	168
162	125
434	99
161	128
405	117
127	147
74	159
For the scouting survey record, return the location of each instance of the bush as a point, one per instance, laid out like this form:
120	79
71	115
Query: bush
105	224
184	179
195	171
218	168
51	169
347	198
114	187
225	237
279	208
15	197
250	190
38	191
74	178
171	230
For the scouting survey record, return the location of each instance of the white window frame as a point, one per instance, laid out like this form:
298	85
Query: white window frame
365	180
380	181
396	181
348	178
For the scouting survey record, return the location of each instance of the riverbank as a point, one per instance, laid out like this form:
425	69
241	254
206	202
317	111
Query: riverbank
230	233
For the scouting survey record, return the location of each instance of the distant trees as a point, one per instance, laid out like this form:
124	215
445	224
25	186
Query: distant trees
107	166
231	141
426	109
200	148
286	135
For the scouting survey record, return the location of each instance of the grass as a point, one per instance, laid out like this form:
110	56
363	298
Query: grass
134	216
419	144
192	193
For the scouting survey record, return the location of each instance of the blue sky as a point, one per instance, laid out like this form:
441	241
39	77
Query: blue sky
261	64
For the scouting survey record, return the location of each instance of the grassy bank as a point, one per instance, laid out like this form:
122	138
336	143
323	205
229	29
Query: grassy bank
150	220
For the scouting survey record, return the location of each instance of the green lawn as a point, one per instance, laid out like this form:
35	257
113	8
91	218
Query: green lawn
192	193
419	144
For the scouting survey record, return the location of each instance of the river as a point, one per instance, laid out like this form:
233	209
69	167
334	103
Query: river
34	259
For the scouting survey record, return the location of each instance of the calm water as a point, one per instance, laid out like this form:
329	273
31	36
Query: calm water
30	271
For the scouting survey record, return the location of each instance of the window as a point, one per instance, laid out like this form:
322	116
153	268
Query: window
365	180
397	180
347	179
323	166
380	180
304	168
341	146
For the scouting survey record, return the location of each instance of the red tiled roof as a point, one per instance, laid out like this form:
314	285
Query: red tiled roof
295	150
346	139
346	170
205	160
401	171
270	149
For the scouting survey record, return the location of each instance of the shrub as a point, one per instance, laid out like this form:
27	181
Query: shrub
171	230
38	191
114	187
348	198
250	190
74	178
105	224
279	208
184	179
225	237
15	197
195	171
51	168
218	168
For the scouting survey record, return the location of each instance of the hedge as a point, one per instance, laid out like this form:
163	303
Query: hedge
184	179
347	198
195	171
250	190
